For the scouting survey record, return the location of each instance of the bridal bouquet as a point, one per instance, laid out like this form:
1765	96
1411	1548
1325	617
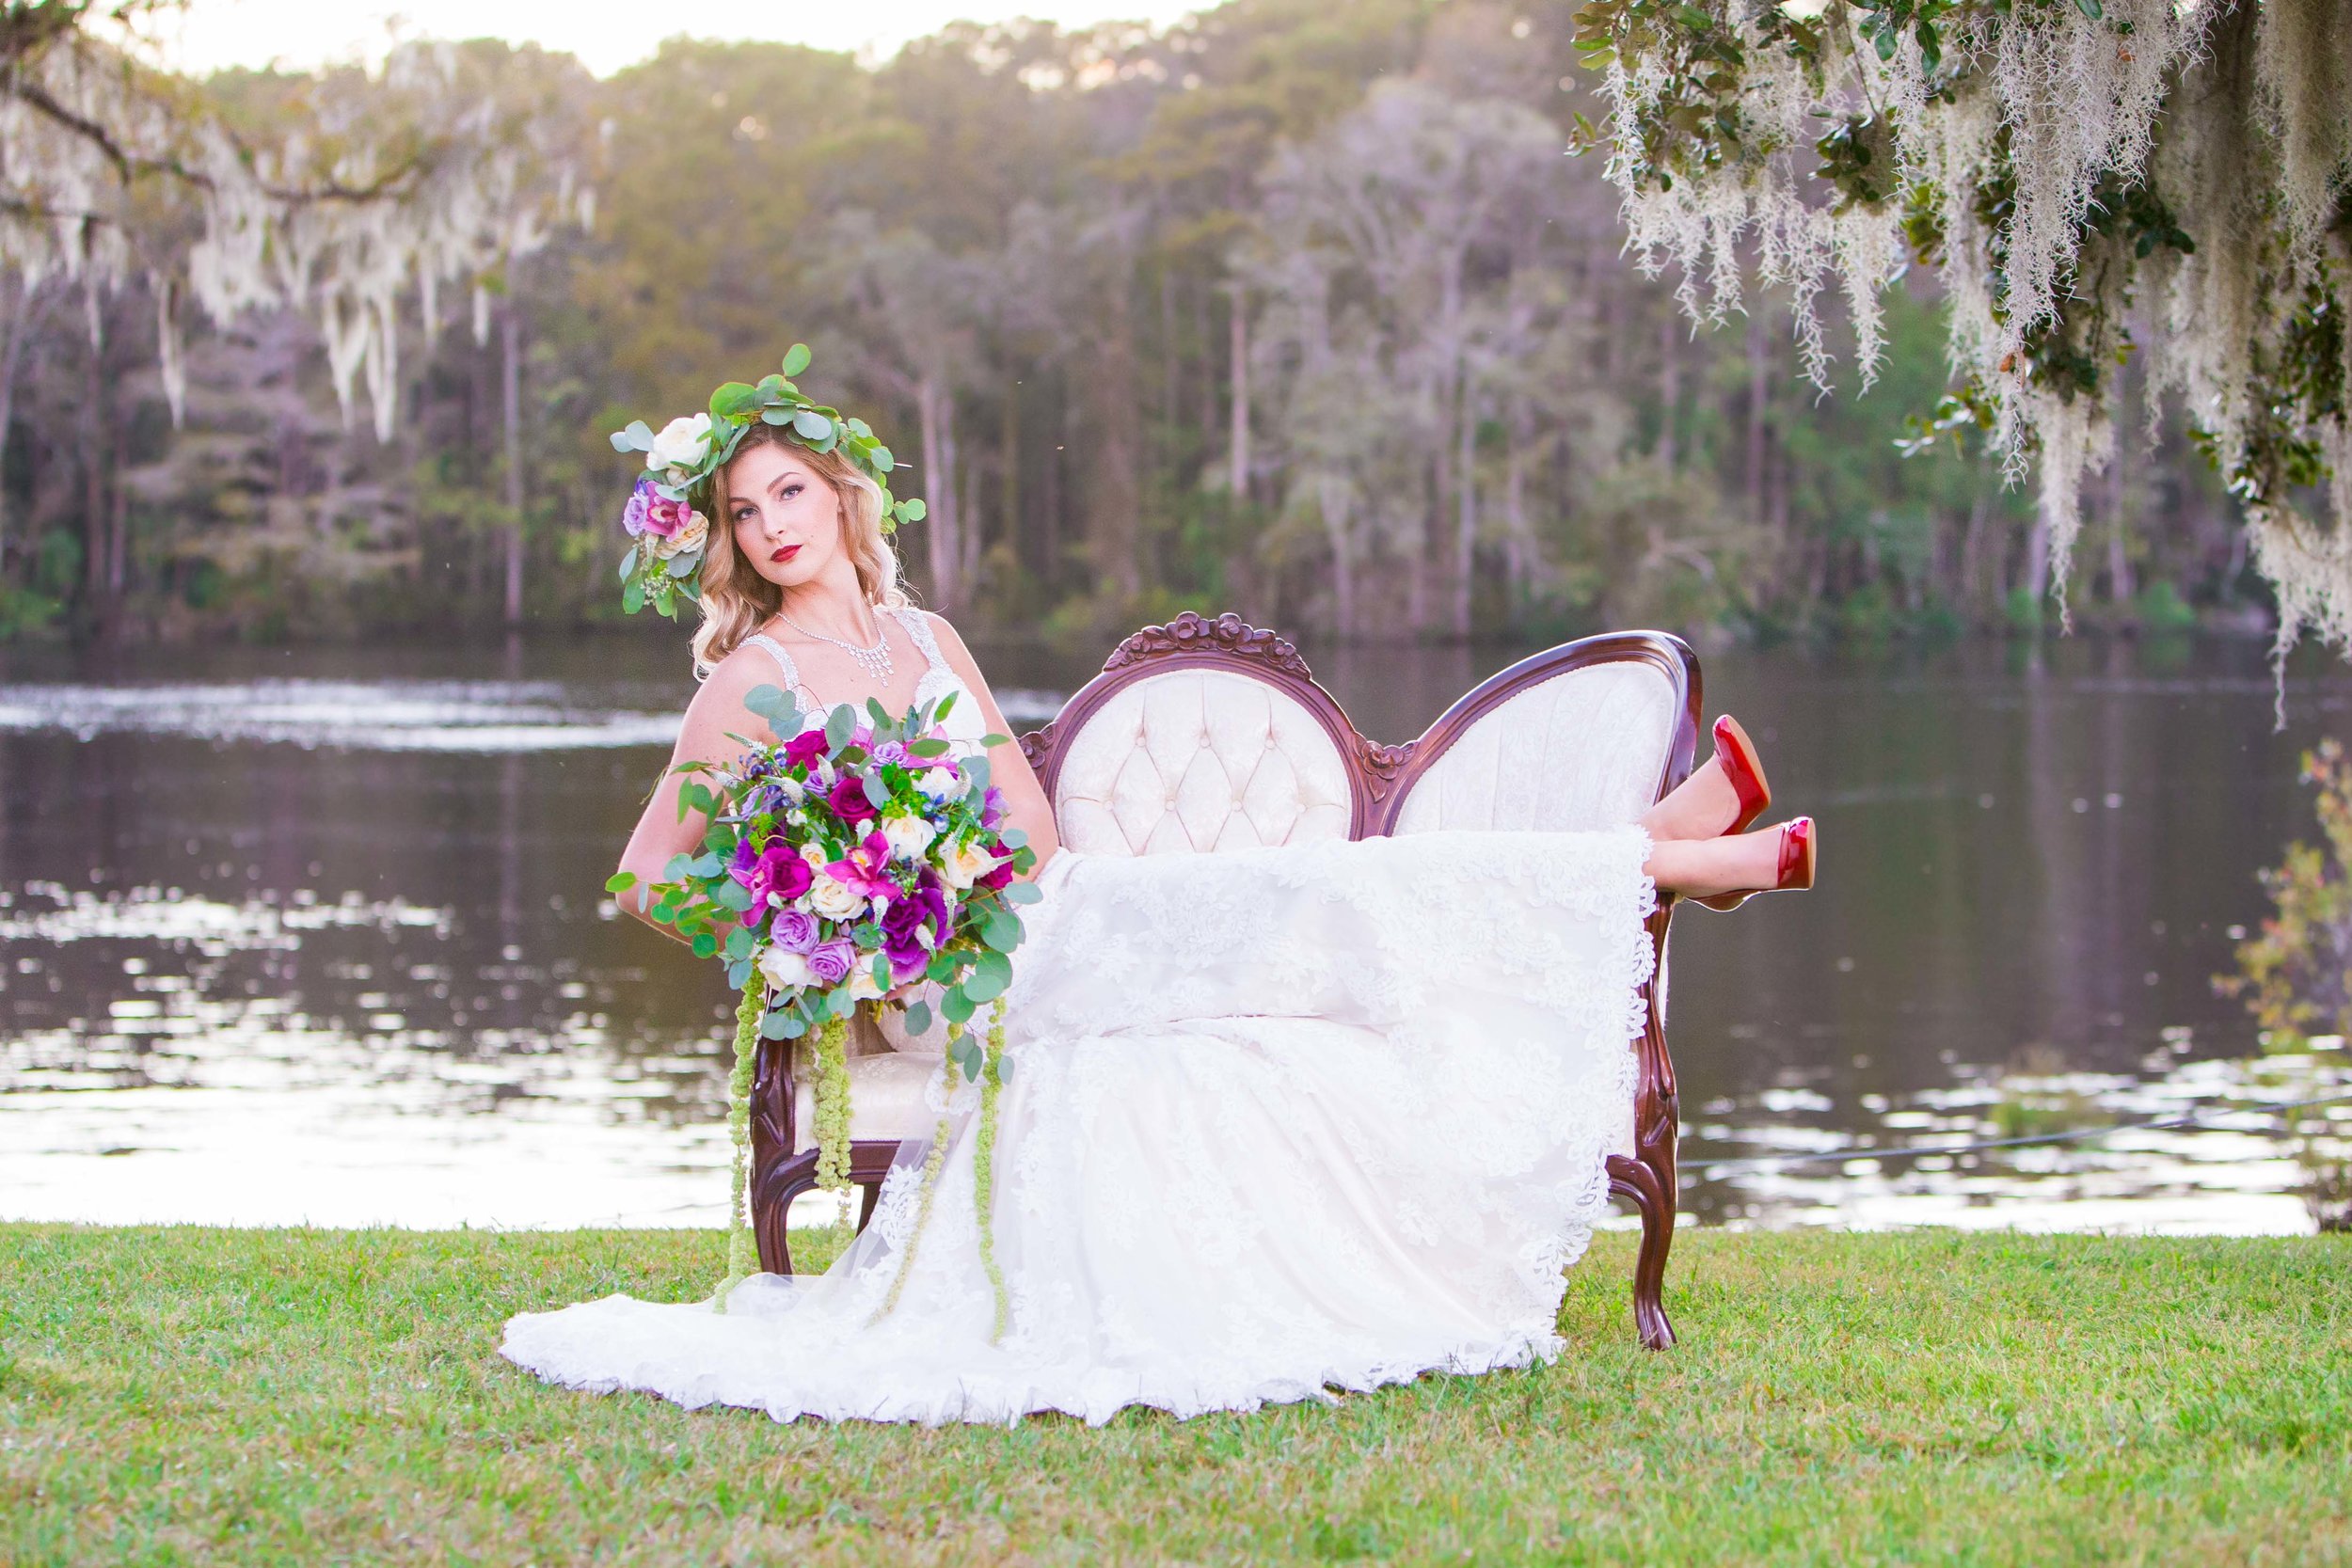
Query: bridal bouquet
849	865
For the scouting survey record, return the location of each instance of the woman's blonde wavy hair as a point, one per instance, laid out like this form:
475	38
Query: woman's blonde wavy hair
737	601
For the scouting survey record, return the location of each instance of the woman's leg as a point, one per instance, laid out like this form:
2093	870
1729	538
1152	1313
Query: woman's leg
1724	795
1704	868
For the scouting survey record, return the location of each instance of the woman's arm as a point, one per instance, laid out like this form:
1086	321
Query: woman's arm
704	736
1024	798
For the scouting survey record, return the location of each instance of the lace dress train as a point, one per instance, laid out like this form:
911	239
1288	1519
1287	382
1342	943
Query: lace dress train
1279	1122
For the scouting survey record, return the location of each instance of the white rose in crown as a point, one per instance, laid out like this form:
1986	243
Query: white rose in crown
681	443
908	837
786	972
836	900
966	864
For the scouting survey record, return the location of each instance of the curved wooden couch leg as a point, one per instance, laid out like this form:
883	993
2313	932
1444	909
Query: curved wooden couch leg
772	1192
1653	1193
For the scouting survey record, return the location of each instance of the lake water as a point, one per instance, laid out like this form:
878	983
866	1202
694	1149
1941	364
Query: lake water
317	935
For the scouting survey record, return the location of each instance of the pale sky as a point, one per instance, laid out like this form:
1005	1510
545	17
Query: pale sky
606	35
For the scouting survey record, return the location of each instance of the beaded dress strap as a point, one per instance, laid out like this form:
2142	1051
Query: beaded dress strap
919	627
801	695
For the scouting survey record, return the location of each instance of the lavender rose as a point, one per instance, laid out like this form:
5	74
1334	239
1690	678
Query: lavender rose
793	931
831	961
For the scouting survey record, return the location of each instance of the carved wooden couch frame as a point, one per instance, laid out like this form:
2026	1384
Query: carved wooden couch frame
1615	716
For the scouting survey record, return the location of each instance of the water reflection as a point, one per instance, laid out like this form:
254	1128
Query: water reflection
317	935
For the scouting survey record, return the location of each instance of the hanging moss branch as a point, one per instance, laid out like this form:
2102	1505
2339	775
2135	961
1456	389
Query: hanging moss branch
831	1095
742	1254
984	1170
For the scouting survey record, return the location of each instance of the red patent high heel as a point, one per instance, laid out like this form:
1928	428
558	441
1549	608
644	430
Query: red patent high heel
1736	752
1795	871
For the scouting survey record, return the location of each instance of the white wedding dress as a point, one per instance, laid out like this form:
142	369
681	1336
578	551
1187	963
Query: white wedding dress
1279	1122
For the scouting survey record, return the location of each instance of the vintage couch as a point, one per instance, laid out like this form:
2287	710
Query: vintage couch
1207	734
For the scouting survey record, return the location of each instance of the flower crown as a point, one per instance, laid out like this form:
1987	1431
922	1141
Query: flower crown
667	519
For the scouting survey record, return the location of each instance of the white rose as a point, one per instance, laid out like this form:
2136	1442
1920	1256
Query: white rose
814	856
908	837
937	784
966	864
785	970
836	900
682	442
685	541
863	985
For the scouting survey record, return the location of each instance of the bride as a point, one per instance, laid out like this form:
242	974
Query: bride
1283	1121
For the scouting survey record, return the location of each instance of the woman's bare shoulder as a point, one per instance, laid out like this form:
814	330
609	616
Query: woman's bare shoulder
717	706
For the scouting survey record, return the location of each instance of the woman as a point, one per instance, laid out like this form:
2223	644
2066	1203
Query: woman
1283	1120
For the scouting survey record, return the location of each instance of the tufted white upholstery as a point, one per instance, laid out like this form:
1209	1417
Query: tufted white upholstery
1582	750
885	1097
1199	759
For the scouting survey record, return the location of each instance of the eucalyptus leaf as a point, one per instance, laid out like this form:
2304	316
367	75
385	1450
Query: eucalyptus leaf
775	416
620	882
796	359
918	1018
704	944
838	728
933	748
1020	892
813	425
955	1006
876	791
991	974
683	563
628	564
733	894
914	509
633	597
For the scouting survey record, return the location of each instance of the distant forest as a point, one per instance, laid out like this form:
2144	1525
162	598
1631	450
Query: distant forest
1299	309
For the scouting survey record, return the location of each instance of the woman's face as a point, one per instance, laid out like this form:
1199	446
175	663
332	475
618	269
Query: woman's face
787	521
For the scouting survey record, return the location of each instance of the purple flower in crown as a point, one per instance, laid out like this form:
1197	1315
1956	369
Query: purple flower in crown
640	505
664	519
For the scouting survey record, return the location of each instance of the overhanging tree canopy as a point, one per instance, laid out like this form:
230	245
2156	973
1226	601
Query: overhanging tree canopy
2090	179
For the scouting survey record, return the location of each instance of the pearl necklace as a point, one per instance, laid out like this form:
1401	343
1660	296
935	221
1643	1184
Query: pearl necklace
875	660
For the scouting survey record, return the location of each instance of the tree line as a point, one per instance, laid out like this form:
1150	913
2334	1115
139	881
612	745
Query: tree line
1295	308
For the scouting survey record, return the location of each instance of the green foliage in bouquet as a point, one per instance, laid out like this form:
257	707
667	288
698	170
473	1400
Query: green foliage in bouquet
839	868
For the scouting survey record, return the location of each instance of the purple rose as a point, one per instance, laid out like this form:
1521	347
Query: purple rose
804	749
848	798
831	961
776	871
793	931
640	500
903	923
895	752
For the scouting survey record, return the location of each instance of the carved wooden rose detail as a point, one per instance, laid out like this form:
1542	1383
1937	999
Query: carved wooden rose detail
1227	633
1379	765
1039	744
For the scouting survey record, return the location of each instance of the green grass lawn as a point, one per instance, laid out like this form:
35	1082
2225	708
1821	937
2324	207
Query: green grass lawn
227	1396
